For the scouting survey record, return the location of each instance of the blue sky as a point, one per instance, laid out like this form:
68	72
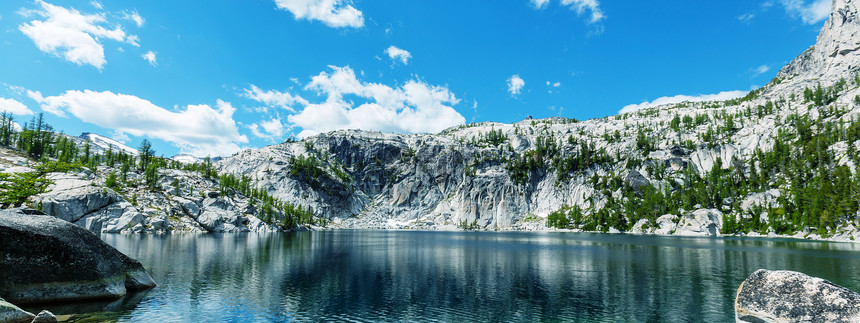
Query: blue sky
214	77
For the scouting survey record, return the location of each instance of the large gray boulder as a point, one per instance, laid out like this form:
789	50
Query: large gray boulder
45	316
701	222
11	313
43	258
788	296
72	197
221	216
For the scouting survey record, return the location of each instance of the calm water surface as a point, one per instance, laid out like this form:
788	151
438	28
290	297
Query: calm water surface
453	276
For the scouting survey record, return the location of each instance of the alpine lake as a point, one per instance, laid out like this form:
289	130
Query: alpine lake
415	276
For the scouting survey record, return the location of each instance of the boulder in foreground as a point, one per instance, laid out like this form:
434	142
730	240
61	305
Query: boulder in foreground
12	313
788	296
45	259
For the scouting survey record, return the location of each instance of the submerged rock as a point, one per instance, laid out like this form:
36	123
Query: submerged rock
43	258
788	296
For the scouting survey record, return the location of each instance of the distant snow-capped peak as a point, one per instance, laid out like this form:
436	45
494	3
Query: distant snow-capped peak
106	143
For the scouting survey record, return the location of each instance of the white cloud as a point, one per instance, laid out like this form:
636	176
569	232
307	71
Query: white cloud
272	129
515	85
199	130
580	6
810	13
274	98
151	58
760	70
540	4
726	95
120	136
398	54
14	107
96	4
333	13
19	90
71	34
746	17
414	107
553	84
133	16
133	40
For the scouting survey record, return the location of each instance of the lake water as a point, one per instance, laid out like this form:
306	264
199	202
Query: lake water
363	276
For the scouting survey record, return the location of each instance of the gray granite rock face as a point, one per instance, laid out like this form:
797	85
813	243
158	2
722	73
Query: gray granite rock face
43	258
11	313
788	296
71	197
837	50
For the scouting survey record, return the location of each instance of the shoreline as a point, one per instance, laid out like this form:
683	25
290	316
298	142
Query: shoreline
796	237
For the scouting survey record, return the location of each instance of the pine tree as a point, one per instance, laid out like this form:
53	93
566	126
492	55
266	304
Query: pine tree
146	154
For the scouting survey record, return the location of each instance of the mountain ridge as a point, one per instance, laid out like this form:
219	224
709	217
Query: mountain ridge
456	179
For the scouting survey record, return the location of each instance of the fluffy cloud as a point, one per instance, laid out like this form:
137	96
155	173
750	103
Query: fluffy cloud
553	84
199	130
150	57
70	34
414	107
14	107
272	129
810	13
274	98
515	85
333	13
726	95
398	54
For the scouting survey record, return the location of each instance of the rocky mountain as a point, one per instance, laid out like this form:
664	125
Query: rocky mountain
835	54
514	176
780	161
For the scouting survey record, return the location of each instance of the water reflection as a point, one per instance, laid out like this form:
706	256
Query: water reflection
455	276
